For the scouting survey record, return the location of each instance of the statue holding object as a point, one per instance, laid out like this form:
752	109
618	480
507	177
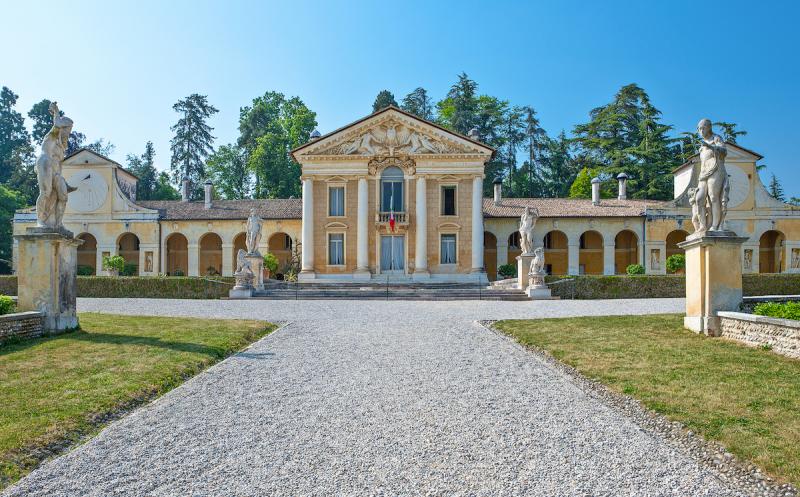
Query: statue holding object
709	200
53	189
526	223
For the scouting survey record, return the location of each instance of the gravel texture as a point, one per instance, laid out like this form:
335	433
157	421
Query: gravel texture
378	398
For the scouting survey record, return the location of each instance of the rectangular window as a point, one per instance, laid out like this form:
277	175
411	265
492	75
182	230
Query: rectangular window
448	200
336	201
336	249
448	249
391	196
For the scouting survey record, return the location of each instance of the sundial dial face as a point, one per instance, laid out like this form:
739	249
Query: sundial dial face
91	193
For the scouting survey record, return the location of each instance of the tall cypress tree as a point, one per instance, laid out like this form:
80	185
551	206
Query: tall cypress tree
776	189
193	141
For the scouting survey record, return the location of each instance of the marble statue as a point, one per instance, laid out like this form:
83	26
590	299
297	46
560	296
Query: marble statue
244	273
253	237
795	258
536	272
392	138
710	203
53	188
748	259
526	223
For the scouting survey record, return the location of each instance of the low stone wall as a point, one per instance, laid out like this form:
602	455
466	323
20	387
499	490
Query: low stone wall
20	325
782	335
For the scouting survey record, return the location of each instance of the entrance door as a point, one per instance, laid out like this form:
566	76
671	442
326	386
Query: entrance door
393	259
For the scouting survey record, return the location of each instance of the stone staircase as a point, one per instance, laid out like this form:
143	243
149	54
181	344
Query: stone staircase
383	291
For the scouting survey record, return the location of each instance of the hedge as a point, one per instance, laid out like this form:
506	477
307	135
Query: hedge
140	287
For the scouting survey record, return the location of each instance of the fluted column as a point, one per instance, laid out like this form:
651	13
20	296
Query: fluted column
362	235
477	225
421	252
307	262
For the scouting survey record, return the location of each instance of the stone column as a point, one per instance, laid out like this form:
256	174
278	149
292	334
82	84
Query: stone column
421	253
609	261
227	259
477	225
193	259
362	235
307	261
573	259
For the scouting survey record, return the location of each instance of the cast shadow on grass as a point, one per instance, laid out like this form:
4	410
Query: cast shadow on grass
116	339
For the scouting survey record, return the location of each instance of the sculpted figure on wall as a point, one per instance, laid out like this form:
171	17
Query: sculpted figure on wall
710	202
253	235
391	139
526	223
53	189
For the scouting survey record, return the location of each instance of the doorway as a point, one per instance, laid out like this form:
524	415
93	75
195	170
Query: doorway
393	254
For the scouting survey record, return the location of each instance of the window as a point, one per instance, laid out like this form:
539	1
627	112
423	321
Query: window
448	200
448	249
336	249
513	240
548	240
336	201
392	190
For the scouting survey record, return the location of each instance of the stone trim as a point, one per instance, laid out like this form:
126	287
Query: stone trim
21	325
782	335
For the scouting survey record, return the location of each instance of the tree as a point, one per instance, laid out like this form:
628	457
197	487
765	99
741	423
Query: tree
164	190
582	186
227	168
102	147
418	103
144	168
268	130
458	111
775	188
12	132
75	142
558	169
383	100
193	141
9	203
23	174
729	131
42	120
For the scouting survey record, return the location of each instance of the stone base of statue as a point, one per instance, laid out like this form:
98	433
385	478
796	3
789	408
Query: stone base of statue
243	289
523	266
713	278
46	276
256	261
537	289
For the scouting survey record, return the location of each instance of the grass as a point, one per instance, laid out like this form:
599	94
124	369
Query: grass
746	398
54	391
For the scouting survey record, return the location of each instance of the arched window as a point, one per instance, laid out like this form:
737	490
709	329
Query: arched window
392	190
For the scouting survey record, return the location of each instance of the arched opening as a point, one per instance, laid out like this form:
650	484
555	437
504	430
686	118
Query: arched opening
770	252
490	255
210	259
87	255
514	249
626	251
128	248
392	190
590	253
556	253
280	245
239	243
673	239
177	255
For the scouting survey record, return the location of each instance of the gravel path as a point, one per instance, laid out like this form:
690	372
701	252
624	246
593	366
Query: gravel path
376	398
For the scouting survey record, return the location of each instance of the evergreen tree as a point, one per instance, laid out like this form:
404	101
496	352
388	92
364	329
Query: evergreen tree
228	169
269	130
9	202
164	190
75	142
12	132
512	130
384	99
42	120
193	141
776	189
144	168
102	147
459	109
23	174
536	140
418	103
558	170
729	132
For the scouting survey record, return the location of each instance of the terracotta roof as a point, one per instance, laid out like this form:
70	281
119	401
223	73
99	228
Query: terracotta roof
568	207
273	208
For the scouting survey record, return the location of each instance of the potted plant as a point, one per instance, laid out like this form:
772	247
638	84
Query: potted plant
113	264
270	264
676	264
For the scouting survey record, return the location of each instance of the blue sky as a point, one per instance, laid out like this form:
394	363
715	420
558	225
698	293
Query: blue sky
118	67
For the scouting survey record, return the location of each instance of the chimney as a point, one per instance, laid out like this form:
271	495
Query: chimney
207	186
623	186
185	189
595	191
498	189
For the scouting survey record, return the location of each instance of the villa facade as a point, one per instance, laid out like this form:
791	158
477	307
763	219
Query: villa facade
392	195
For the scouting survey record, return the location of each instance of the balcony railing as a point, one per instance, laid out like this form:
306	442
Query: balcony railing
399	217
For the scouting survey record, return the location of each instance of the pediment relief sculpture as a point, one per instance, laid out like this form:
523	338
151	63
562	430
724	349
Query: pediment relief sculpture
381	162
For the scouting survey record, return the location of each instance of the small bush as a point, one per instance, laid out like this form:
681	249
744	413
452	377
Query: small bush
129	269
178	272
508	270
271	262
634	269
6	305
675	263
114	262
85	271
783	310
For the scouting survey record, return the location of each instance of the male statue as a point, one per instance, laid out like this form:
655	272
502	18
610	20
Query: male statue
712	185
53	189
526	223
253	236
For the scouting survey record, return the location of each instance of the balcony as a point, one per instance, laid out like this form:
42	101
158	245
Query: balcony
399	217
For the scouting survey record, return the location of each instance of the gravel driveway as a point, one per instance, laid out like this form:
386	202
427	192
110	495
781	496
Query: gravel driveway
376	398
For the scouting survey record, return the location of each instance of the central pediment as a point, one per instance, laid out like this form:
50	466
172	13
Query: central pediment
391	132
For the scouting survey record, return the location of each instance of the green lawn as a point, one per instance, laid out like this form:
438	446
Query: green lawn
55	390
748	399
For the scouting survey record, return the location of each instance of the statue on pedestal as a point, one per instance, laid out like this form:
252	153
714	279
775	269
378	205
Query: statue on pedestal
709	200
536	271
244	273
53	189
526	223
253	237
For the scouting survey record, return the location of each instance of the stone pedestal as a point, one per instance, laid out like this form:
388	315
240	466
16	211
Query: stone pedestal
713	279
256	261
537	289
240	292
46	276
523	266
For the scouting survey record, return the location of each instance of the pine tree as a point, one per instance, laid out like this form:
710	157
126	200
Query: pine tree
776	189
418	103
42	120
729	132
193	141
384	99
458	111
12	132
144	168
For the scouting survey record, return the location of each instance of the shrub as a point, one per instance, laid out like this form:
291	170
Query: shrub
85	271
6	305
783	310
178	272
114	262
129	269
634	269
508	270
675	263
271	262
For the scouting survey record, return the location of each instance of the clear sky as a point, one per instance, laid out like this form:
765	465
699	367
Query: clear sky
116	68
